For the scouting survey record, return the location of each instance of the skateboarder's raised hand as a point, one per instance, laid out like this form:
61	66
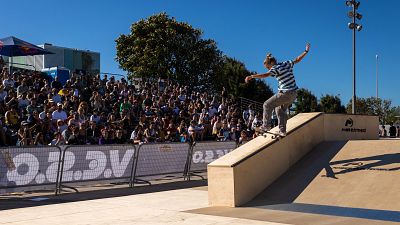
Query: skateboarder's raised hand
301	56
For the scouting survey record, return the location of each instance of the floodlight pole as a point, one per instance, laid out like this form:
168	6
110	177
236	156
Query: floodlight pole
377	77
353	102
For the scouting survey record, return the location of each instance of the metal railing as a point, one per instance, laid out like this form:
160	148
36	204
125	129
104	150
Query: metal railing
245	102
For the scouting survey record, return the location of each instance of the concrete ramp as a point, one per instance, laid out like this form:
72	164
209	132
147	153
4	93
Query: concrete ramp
336	183
239	176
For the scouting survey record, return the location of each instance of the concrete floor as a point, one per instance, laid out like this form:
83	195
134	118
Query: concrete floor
352	183
166	207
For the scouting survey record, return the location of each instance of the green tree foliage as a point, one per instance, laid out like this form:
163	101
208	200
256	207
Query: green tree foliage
160	46
305	102
231	76
375	106
331	104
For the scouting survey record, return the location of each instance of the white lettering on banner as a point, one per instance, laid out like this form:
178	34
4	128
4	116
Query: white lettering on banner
209	155
118	167
52	170
32	166
96	166
86	165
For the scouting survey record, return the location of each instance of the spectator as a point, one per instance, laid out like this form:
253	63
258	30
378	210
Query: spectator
382	131
392	131
257	122
12	118
195	132
9	82
68	132
93	133
183	132
24	135
137	135
39	140
58	139
224	132
59	113
56	84
119	137
105	137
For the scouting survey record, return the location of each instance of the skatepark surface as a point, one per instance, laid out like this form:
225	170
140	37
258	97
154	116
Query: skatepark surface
343	182
333	182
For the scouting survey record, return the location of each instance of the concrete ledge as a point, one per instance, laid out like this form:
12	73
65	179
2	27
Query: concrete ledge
239	176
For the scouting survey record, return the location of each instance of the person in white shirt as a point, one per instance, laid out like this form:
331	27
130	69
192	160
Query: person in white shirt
8	83
59	113
95	117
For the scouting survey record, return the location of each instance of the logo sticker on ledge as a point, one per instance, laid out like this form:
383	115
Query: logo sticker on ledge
349	127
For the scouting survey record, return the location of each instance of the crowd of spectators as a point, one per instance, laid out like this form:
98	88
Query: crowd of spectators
93	110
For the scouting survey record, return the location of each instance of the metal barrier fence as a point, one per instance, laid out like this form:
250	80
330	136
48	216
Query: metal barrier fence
55	168
30	168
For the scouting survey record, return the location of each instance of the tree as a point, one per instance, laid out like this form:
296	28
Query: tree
305	102
374	106
331	104
231	75
160	46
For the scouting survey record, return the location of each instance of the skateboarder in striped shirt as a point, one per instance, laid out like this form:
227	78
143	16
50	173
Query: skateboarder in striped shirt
287	90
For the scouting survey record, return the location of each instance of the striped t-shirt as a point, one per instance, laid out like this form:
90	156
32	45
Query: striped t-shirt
283	72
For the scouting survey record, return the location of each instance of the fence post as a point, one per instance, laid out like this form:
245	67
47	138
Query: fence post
59	172
133	178
186	173
61	175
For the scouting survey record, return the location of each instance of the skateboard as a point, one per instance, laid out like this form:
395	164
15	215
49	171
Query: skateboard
273	135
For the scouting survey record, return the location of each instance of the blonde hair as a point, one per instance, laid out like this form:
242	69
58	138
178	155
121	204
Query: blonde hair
269	59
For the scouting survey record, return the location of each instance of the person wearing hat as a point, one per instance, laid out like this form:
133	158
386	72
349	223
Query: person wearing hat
59	113
61	126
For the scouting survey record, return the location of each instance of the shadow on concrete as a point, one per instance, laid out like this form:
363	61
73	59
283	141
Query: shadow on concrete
13	203
380	162
291	184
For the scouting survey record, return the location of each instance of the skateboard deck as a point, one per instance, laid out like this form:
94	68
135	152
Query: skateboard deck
273	135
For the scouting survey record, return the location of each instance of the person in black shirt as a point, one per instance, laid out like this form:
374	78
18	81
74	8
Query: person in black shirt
56	83
392	131
119	137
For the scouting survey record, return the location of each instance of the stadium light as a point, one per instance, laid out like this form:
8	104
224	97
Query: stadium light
354	26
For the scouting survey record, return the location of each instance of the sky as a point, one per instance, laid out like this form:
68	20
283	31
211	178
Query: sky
244	30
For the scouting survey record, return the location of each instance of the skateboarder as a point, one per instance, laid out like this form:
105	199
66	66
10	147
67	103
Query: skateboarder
287	90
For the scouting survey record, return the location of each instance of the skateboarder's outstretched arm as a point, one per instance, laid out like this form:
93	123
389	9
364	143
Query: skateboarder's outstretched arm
301	56
262	75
